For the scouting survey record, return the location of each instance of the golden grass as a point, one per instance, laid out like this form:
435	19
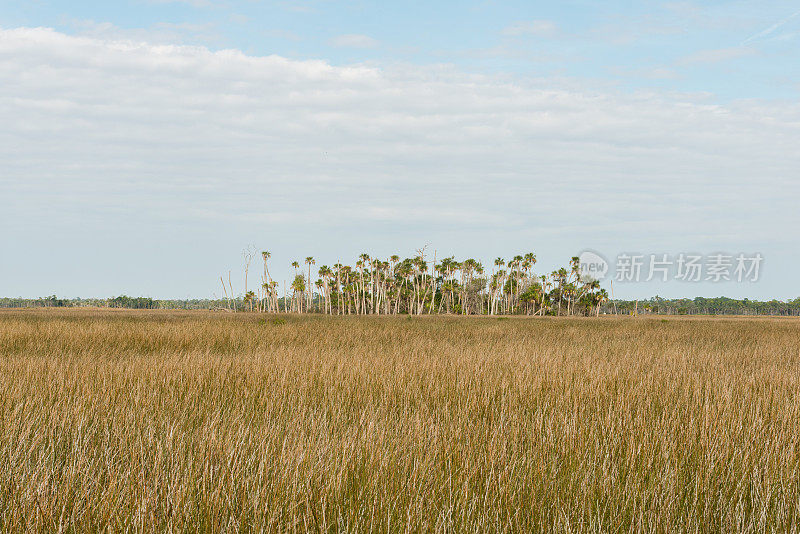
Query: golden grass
196	421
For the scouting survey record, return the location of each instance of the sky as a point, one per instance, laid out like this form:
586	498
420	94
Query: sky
145	144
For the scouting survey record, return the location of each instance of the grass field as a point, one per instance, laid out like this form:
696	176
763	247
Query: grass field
197	421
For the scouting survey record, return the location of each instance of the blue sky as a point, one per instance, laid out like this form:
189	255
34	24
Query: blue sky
732	49
153	140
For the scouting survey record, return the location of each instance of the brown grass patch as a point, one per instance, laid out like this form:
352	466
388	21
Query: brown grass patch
200	421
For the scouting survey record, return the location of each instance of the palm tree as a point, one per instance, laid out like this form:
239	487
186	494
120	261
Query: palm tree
339	300
274	292
267	282
249	297
482	284
295	265
247	254
299	289
325	274
560	277
417	286
320	284
499	263
601	297
309	261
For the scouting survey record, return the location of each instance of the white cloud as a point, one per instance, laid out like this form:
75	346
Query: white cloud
157	33
538	28
354	40
193	3
94	131
717	55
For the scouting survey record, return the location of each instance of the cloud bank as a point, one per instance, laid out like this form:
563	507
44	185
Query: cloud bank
147	136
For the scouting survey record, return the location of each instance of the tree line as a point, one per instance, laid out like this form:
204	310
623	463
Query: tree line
424	285
651	306
419	285
707	306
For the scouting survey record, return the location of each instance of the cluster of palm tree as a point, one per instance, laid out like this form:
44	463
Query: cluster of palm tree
418	286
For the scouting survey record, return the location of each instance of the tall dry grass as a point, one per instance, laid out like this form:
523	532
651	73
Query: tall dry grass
150	421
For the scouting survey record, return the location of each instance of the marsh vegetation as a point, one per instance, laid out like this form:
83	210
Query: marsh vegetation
152	420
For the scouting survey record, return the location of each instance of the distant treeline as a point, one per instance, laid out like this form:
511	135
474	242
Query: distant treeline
652	306
703	306
123	301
